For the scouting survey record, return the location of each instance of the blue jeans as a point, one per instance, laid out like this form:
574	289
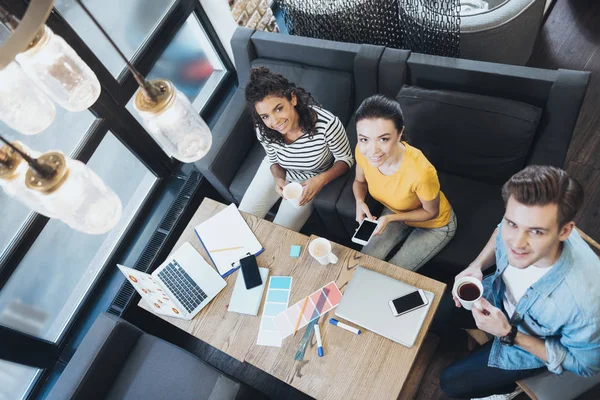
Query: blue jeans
471	377
420	244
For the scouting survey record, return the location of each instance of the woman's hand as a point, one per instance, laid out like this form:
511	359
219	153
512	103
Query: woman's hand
310	188
382	222
279	185
362	211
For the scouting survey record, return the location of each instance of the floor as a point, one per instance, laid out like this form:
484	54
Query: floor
570	38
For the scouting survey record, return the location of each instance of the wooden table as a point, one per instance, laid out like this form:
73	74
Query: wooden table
355	366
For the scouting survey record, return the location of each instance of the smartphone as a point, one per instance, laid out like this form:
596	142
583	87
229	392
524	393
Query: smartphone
408	302
364	232
251	273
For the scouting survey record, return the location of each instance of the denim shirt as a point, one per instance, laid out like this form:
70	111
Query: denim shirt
562	308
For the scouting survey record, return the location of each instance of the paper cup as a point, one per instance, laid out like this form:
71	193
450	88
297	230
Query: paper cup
292	192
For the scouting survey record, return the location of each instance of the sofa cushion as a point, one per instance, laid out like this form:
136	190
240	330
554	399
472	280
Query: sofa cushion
332	89
479	208
155	366
479	137
246	173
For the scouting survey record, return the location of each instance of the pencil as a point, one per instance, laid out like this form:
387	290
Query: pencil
300	316
226	249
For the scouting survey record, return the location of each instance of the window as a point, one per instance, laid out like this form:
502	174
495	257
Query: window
129	27
59	135
191	63
48	271
16	379
58	270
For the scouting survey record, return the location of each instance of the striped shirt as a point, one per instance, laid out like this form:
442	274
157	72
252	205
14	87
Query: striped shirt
307	157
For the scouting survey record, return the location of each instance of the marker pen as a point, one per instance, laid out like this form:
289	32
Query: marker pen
319	342
337	323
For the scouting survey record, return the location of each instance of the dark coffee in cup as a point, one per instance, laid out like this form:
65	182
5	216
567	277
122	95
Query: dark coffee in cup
468	291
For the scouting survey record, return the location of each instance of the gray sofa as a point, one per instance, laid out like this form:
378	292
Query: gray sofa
116	360
477	122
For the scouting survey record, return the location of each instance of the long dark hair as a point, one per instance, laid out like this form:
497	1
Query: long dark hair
380	106
264	83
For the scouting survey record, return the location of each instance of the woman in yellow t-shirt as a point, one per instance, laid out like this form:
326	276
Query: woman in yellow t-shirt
401	178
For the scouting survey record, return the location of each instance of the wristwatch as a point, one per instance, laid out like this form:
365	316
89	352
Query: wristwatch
509	339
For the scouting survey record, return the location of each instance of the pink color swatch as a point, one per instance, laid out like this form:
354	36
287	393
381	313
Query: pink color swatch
319	302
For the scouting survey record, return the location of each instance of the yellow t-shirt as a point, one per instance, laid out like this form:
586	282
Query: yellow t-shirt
416	178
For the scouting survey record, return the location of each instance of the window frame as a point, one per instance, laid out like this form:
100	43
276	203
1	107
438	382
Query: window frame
111	115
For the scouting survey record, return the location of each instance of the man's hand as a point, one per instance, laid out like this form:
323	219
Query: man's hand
362	211
279	185
382	222
493	322
472	270
311	187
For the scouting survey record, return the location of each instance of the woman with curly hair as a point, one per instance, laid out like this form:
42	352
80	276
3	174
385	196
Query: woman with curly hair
304	143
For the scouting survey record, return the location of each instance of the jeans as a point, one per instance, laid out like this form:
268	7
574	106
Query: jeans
261	196
420	244
471	377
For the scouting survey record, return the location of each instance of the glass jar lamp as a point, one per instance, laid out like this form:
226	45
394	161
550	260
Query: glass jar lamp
75	194
23	106
55	67
12	178
172	120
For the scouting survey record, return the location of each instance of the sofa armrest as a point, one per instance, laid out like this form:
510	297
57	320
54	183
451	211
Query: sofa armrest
559	118
233	137
243	53
98	359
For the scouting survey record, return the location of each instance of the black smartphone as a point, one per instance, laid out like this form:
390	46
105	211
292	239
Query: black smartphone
251	273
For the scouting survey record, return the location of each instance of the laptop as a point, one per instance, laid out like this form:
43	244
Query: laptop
366	303
180	287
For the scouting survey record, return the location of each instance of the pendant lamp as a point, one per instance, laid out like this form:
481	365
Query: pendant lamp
167	114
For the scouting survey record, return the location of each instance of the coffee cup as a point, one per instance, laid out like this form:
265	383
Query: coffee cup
320	250
292	192
468	290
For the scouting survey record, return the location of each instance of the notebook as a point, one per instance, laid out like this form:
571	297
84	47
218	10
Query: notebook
247	301
180	287
227	238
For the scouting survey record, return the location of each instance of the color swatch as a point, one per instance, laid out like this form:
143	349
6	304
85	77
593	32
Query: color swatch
319	302
278	297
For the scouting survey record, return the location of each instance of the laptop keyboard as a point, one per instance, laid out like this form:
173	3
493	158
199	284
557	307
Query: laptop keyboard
183	287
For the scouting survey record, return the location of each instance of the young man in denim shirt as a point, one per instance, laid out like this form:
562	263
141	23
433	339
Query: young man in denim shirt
542	303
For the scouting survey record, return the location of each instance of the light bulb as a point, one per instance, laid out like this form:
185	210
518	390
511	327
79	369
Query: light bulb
76	195
56	68
12	179
23	106
174	123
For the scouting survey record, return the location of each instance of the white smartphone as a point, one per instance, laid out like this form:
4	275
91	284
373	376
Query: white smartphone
364	232
408	302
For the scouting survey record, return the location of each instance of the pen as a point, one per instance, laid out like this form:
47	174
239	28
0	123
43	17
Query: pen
225	249
319	342
337	323
300	316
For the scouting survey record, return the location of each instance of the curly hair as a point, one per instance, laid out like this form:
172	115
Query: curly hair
264	83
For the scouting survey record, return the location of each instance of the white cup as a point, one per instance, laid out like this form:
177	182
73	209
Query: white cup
468	304
292	192
320	249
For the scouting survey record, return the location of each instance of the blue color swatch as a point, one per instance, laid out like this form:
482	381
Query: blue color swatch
281	282
273	309
277	296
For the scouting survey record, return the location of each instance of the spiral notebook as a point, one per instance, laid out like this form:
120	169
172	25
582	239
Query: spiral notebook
227	238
